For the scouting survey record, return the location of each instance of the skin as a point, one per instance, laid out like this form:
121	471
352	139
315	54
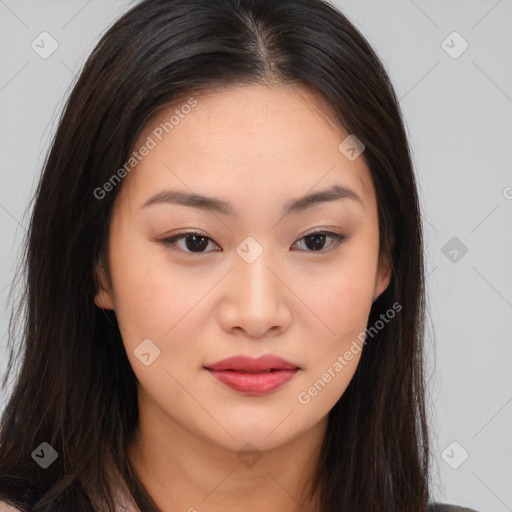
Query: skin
256	147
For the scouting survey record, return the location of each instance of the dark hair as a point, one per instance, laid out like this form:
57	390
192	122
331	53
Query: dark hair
76	389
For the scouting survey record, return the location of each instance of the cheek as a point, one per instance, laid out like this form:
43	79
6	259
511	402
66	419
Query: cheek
159	302
146	306
338	350
344	311
341	300
352	287
338	298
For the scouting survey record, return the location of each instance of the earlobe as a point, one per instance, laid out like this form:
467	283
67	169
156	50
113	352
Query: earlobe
103	298
382	281
384	272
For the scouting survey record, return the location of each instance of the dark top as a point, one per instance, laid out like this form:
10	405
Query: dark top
433	507
440	507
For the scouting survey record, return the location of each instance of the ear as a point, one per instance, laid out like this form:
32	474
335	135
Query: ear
384	272
103	298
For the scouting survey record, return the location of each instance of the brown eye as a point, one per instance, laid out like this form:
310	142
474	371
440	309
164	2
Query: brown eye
194	242
315	241
197	243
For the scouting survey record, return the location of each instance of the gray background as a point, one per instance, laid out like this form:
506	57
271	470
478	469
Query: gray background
458	113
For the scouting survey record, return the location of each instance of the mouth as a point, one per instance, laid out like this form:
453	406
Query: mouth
253	376
264	363
270	370
252	382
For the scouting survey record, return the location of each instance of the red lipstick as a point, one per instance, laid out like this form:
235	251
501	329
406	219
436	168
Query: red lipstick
253	376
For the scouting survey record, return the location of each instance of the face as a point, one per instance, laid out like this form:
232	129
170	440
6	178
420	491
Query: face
249	278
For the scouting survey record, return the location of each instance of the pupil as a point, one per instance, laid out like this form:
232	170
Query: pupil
311	238
198	242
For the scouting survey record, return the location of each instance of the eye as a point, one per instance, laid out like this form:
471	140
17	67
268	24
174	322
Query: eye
196	243
316	240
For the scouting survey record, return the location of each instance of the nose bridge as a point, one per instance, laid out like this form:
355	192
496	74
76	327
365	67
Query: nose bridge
255	282
254	298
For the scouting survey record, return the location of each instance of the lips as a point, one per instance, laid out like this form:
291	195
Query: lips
264	363
253	376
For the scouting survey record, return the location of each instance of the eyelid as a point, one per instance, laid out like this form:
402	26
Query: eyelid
171	241
338	239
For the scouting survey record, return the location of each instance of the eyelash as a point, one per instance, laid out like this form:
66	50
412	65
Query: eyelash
337	241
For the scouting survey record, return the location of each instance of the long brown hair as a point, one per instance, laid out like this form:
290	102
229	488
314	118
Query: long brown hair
75	388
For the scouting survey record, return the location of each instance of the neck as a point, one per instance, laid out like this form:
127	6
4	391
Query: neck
182	471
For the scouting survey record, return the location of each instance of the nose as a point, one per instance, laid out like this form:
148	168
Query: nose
256	297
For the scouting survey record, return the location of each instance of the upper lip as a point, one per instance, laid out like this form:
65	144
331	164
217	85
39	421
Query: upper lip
247	363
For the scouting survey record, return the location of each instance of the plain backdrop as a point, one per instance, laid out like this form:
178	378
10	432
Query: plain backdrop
455	91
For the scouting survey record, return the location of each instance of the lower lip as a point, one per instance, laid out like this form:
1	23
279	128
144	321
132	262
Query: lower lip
254	383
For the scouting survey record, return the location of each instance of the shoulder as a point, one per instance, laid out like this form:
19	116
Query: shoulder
433	507
443	507
7	508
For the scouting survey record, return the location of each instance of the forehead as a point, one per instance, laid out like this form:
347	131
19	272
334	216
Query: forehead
246	140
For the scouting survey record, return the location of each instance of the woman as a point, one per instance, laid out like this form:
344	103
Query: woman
225	281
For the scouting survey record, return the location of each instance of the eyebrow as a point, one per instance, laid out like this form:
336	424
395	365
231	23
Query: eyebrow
211	204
